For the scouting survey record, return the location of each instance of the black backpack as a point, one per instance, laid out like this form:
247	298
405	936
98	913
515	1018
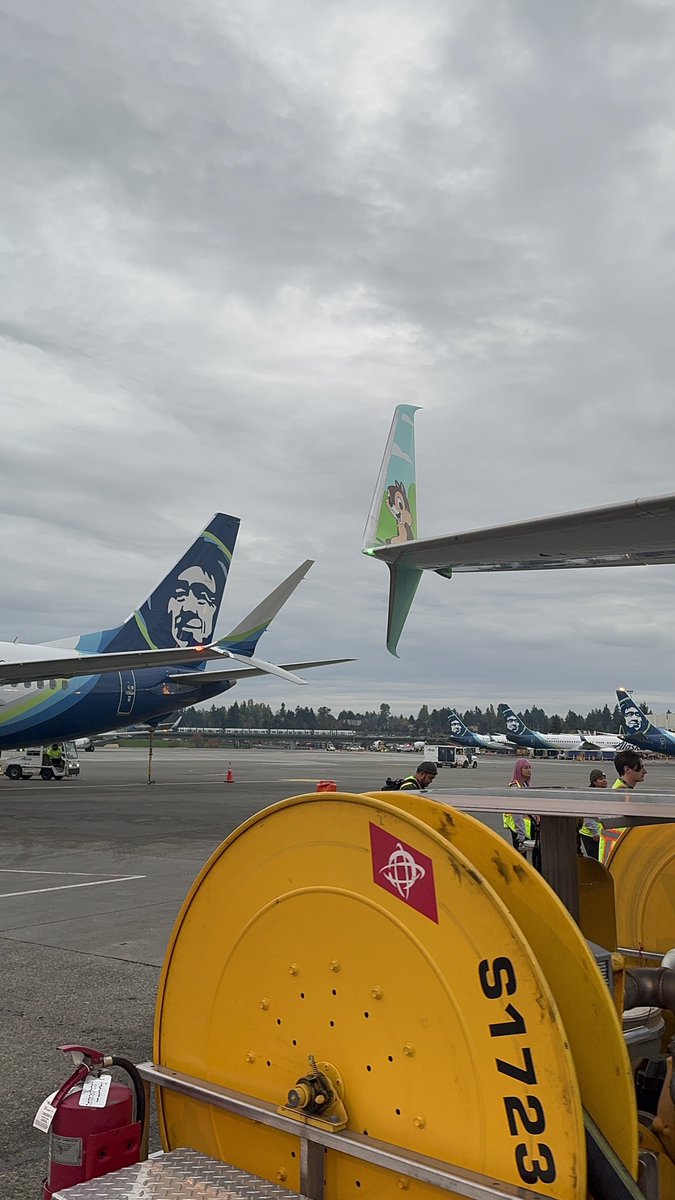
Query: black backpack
393	785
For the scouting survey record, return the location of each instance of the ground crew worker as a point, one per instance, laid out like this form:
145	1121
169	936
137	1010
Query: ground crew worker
423	776
55	757
628	766
590	830
518	825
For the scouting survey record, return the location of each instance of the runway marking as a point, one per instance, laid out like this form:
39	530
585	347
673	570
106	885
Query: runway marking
46	871
64	887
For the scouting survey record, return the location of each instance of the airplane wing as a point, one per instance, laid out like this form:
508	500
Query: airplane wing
75	666
233	674
638	533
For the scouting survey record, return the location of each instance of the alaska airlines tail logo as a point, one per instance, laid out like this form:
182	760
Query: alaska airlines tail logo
457	728
513	724
633	718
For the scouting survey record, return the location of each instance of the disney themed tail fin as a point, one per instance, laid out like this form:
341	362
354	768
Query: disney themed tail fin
392	519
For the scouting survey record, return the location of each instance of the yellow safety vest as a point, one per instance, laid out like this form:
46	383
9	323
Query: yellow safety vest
510	821
610	838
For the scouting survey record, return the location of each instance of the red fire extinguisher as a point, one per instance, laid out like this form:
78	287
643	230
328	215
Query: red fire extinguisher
95	1124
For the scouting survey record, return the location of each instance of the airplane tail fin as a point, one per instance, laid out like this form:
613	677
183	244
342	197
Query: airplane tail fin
183	609
635	720
245	636
457	727
512	721
392	518
393	510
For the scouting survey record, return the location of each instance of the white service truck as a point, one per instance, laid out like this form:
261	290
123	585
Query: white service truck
36	760
450	756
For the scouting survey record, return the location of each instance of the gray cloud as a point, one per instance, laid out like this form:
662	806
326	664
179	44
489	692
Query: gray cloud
234	237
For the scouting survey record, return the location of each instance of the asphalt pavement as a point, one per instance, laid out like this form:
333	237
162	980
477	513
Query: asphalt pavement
93	872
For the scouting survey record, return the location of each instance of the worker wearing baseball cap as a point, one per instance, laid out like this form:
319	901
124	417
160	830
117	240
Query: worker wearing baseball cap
422	778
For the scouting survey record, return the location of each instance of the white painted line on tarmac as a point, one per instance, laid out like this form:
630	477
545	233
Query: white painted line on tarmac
46	871
64	887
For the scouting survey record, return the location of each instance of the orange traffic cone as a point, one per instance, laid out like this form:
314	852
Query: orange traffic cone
229	778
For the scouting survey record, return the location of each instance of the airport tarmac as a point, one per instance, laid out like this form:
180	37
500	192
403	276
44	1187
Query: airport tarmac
93	872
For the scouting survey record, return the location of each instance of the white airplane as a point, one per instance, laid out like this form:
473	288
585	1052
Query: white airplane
518	733
151	664
463	736
639	533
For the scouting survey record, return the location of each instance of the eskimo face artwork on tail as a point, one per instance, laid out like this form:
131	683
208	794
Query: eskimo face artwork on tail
396	521
183	609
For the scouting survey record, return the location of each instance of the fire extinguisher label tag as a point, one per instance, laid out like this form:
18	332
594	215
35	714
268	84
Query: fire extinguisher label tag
95	1091
45	1114
66	1151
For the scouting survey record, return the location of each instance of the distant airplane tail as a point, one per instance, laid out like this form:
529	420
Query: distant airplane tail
183	609
457	727
636	721
514	724
392	519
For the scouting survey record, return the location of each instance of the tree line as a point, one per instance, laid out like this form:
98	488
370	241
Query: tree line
428	723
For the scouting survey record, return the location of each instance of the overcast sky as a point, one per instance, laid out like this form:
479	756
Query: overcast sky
235	234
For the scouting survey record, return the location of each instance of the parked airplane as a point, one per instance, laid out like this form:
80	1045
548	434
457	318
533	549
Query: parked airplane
639	533
463	736
152	664
519	734
639	730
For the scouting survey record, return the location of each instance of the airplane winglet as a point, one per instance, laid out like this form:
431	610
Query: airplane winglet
246	634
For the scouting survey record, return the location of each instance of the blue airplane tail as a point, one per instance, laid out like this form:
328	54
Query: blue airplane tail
183	609
392	519
636	721
512	721
457	727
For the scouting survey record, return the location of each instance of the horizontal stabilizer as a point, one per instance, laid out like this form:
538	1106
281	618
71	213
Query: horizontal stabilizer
76	666
233	674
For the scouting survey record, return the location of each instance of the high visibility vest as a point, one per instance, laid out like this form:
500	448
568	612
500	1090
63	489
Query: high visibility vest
410	784
611	837
591	827
609	840
510	821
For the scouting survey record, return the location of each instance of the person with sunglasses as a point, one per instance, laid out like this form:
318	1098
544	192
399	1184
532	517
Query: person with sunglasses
629	767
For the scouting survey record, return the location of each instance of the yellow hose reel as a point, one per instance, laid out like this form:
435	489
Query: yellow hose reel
642	866
388	964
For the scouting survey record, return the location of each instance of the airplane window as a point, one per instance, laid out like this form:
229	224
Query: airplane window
40	683
26	685
64	685
52	684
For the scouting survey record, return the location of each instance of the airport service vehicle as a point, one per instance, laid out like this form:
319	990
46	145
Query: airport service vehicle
153	663
450	756
34	760
639	533
371	994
